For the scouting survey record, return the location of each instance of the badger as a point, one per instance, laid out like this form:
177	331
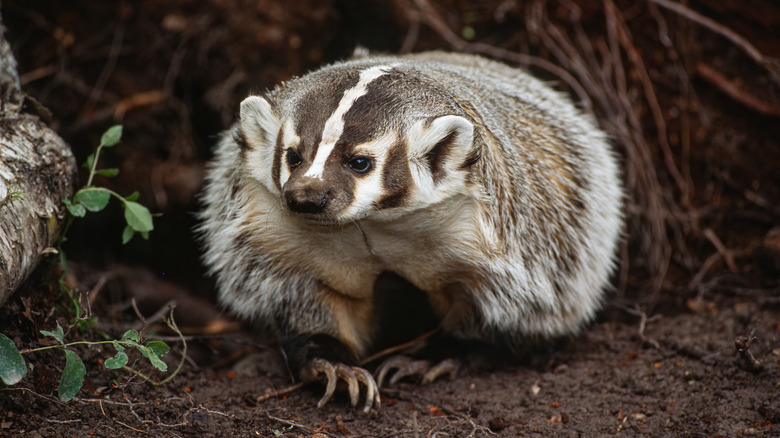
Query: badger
473	181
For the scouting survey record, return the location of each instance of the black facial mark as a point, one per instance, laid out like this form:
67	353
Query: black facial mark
360	164
437	155
293	159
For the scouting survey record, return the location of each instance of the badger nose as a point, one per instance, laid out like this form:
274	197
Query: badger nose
306	200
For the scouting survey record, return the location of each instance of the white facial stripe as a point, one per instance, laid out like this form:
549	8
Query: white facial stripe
334	126
289	140
370	188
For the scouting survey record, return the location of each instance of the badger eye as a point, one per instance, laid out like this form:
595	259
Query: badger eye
293	159
360	164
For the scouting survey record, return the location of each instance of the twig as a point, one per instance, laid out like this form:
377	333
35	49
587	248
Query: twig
431	17
113	55
172	325
343	427
705	267
742	345
52	420
97	288
207	410
716	242
293	424
624	37
643	320
144	323
413	32
769	63
128	426
399	347
137	100
38	73
141	325
279	392
733	90
761	202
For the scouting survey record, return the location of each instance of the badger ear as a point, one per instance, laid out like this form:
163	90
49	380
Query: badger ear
444	144
258	124
256	133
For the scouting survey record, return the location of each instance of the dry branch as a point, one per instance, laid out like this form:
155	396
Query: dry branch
37	171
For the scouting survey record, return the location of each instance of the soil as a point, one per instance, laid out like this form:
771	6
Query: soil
688	343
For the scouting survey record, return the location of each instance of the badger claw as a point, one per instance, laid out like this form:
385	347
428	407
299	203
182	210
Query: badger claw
352	376
395	362
406	366
447	366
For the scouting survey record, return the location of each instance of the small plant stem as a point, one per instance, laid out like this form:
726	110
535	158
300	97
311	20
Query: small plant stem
140	374
94	165
128	344
175	328
103	189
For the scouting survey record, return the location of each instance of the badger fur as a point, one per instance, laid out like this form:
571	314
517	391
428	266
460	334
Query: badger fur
472	180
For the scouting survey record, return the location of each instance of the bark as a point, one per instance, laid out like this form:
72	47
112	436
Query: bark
37	171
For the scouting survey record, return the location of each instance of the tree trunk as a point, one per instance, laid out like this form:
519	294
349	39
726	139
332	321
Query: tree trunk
37	171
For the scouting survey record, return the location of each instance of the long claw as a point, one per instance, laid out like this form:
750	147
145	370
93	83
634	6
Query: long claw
406	366
346	374
389	364
323	366
352	376
412	368
447	366
372	391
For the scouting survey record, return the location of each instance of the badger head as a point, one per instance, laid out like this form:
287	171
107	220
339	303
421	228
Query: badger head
345	144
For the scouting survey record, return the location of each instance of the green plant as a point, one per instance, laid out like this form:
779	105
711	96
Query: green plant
13	366
94	199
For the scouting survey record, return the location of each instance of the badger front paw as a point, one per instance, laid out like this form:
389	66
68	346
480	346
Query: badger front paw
353	376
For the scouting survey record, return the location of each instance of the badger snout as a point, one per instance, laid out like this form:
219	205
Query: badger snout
307	200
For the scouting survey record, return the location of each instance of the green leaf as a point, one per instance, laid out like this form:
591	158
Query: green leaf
138	217
93	199
108	172
111	136
118	346
131	335
117	361
77	210
153	358
127	234
12	367
159	348
90	160
133	196
59	335
72	376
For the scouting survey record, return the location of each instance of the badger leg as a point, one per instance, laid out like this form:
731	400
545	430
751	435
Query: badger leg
405	366
323	358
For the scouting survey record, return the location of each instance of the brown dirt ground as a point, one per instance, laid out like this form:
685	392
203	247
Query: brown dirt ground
659	361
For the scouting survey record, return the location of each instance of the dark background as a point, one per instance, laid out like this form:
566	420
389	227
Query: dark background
688	93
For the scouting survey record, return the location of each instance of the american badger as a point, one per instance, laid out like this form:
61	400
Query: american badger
472	180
